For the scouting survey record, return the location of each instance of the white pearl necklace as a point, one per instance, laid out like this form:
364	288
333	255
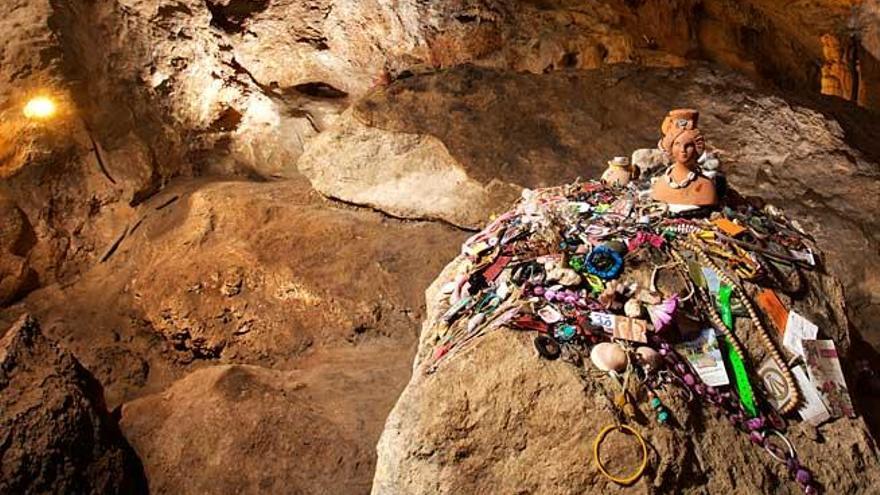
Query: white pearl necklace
676	185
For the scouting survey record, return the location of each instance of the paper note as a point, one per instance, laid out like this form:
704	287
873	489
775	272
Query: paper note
824	371
704	355
778	391
729	227
812	410
603	320
798	329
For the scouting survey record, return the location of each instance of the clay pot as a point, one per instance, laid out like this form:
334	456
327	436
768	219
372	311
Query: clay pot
608	356
618	173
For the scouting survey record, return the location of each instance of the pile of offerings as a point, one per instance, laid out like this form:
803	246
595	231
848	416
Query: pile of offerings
658	293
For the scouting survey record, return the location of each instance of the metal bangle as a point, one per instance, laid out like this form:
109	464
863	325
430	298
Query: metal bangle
791	453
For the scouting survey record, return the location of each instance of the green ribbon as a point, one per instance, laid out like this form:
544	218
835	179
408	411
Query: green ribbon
741	377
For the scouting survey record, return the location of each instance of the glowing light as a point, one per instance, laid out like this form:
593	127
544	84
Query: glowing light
40	108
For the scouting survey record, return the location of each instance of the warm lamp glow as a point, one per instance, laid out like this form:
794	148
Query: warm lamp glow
40	108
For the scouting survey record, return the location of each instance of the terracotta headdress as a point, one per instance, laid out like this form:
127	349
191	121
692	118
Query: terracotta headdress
681	123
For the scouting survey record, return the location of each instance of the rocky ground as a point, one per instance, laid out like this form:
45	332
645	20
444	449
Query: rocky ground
227	231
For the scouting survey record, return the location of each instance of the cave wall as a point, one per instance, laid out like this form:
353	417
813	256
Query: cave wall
150	90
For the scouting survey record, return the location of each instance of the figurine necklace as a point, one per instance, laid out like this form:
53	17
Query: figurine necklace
678	185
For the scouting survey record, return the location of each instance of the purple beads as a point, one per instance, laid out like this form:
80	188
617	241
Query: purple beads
803	476
755	423
756	437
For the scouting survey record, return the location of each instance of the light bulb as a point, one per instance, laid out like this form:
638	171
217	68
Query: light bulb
40	108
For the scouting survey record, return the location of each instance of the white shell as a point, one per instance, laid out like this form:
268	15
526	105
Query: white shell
632	308
650	357
608	356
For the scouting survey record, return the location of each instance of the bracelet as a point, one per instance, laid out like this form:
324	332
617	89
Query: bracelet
638	473
770	450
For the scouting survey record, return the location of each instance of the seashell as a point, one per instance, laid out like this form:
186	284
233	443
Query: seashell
569	277
650	358
608	356
632	308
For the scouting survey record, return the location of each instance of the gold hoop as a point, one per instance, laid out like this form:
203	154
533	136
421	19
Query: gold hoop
602	434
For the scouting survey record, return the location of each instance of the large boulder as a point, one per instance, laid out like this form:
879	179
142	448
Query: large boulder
265	274
497	418
56	435
247	429
243	272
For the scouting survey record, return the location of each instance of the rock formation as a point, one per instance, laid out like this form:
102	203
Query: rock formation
299	431
56	435
556	127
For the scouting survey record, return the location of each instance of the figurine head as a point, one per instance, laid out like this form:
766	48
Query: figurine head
685	146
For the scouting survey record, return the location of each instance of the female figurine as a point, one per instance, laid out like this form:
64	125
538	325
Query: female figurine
683	183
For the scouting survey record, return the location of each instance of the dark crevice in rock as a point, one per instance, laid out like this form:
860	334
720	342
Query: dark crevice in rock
99	157
231	15
359	206
320	90
466	18
167	11
318	43
228	121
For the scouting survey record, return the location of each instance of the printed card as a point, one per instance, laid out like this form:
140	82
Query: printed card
770	303
823	368
631	329
778	391
704	355
813	410
603	320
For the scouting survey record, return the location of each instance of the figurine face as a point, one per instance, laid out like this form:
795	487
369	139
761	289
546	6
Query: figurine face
687	147
684	151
